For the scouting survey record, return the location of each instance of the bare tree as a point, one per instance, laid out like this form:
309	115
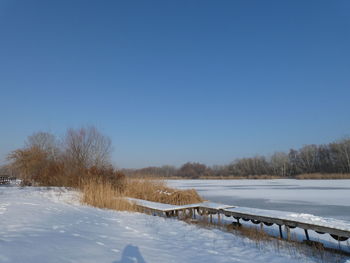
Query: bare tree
280	164
28	163
341	152
251	166
194	170
45	142
308	158
87	147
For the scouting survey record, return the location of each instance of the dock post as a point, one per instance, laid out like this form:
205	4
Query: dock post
288	232
281	234
219	218
211	218
306	234
262	226
194	213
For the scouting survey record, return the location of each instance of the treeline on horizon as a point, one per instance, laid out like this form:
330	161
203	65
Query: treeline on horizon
332	158
85	152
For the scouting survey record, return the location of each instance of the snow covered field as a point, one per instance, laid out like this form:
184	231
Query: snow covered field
327	198
49	225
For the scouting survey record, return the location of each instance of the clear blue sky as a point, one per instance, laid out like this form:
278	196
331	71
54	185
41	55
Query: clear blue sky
177	81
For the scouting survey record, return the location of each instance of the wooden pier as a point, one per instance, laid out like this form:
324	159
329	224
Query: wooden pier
6	179
338	230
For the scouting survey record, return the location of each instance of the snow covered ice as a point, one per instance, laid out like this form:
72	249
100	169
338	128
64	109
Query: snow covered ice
49	225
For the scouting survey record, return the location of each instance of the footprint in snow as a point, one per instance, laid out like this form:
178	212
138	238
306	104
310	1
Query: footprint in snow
115	250
100	243
76	235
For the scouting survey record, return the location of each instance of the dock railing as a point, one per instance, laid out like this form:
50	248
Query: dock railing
337	229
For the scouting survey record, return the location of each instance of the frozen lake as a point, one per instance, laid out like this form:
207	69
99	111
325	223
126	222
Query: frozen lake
326	198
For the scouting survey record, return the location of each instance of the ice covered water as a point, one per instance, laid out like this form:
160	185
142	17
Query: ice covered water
326	198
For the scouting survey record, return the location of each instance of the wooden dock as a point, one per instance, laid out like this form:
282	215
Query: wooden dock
6	179
339	230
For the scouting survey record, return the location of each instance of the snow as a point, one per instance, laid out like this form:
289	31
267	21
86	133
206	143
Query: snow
168	207
49	225
159	206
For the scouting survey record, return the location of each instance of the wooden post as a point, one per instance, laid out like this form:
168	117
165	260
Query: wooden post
211	218
306	234
280	227
219	218
288	232
194	213
262	226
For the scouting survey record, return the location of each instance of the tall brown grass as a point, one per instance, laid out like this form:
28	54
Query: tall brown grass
103	194
323	176
158	191
100	193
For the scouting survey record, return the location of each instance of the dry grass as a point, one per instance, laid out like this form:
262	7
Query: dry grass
213	177
263	240
315	176
103	194
323	176
158	191
249	177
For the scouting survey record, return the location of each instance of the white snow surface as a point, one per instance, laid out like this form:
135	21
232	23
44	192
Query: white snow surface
168	207
49	225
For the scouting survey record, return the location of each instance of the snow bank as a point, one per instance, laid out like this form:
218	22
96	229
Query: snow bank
49	225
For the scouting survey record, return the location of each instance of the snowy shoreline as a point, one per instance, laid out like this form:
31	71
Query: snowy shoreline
49	225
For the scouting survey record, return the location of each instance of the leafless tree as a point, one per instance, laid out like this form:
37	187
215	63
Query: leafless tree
194	170
341	152
87	147
280	164
45	142
308	158
251	166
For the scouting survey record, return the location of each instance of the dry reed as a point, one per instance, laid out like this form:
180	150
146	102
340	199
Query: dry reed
158	191
319	176
103	194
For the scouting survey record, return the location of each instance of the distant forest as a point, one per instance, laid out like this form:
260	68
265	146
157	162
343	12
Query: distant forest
85	152
332	158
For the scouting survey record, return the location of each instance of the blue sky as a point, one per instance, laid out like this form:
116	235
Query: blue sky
177	81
